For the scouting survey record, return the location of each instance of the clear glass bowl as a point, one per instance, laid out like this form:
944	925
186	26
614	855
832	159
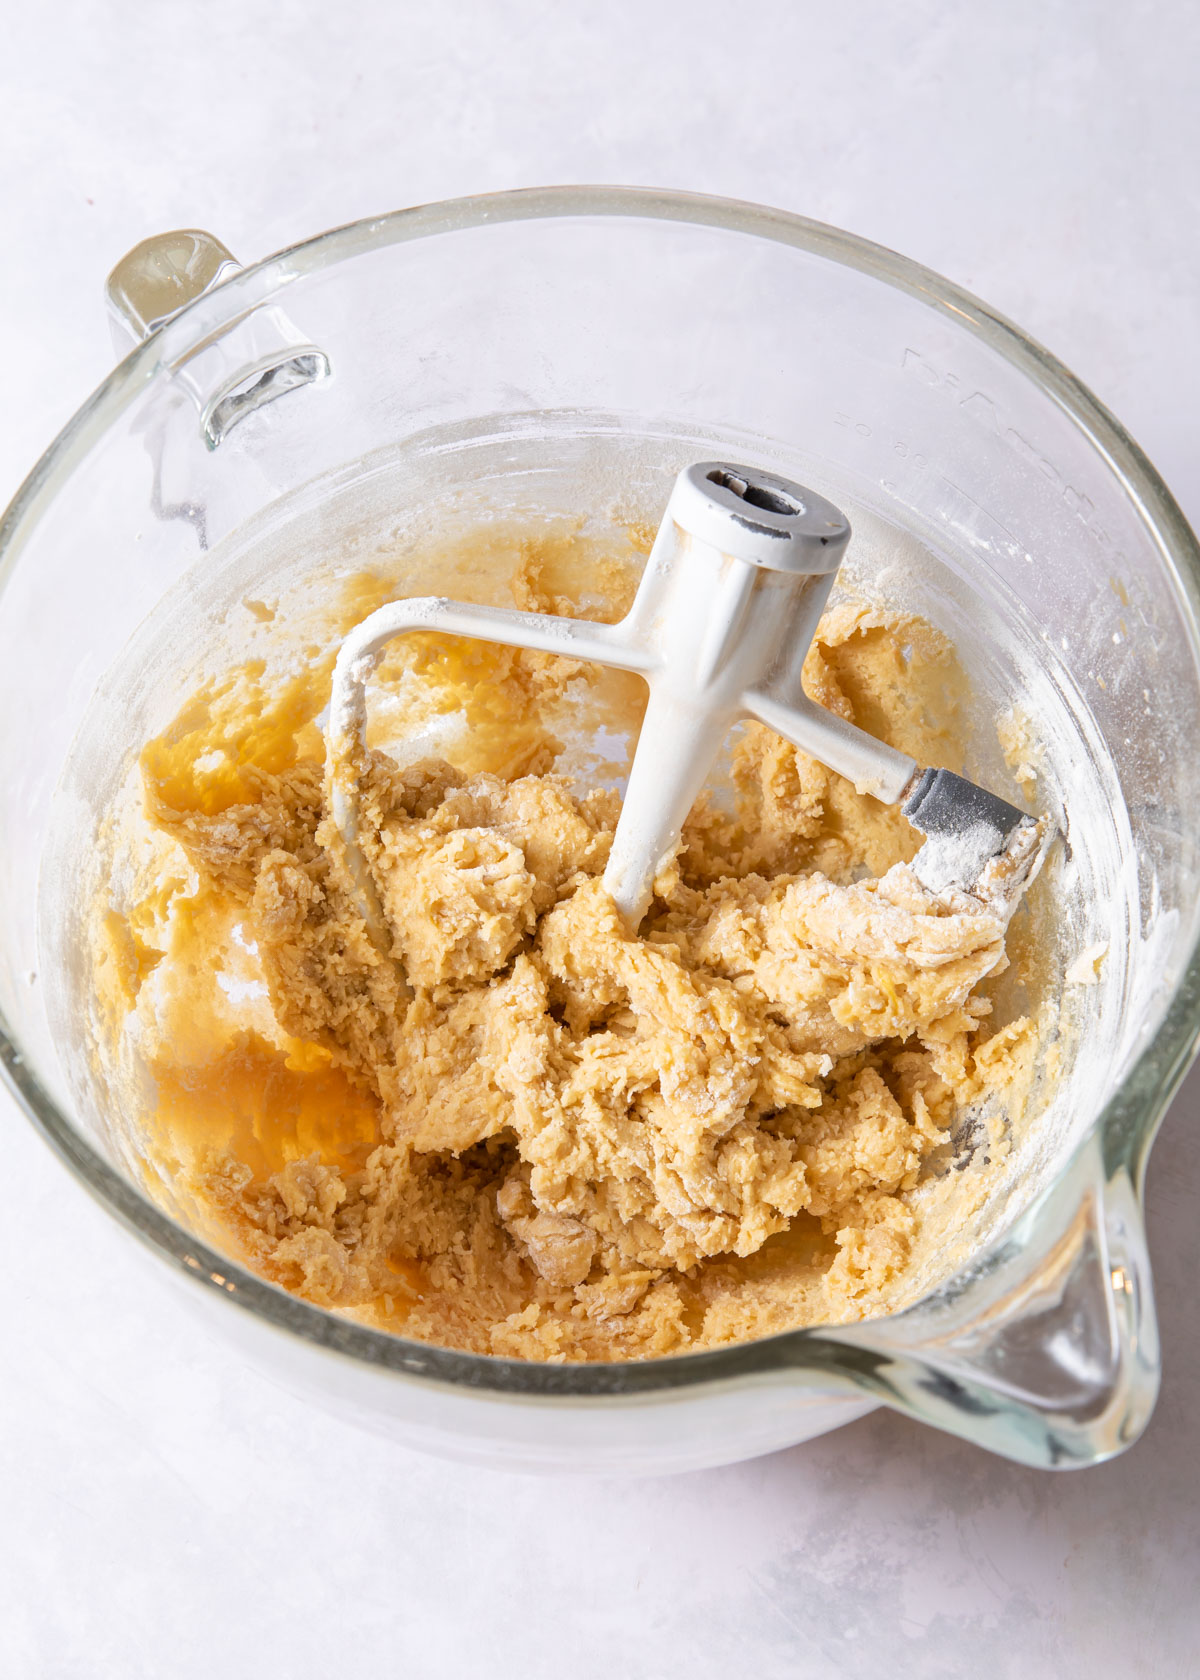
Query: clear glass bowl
545	347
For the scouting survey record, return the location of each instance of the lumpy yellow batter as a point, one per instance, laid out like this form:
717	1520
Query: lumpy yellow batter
524	1131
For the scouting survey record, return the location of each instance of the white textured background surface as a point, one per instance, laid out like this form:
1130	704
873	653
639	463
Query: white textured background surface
163	1512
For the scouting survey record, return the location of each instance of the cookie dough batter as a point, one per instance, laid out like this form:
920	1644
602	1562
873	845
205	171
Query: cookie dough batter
527	1132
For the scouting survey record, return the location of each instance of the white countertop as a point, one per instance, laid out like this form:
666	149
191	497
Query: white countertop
165	1512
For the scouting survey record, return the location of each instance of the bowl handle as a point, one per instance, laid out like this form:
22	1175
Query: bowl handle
1047	1352
256	359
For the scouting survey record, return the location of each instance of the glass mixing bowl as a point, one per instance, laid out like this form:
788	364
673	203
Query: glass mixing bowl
554	348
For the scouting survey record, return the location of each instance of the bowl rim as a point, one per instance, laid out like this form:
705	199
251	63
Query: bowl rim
1127	1122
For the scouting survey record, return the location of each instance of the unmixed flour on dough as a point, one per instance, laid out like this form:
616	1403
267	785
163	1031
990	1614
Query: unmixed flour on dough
529	1133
